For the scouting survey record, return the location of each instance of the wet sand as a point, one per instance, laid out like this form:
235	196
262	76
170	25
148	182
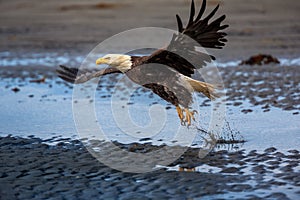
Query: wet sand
33	169
68	171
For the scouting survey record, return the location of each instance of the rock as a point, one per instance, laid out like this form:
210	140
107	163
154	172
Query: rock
246	111
270	150
240	187
260	59
260	169
15	89
230	170
277	195
294	151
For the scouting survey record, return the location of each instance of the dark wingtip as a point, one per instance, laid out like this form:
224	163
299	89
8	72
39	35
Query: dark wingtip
223	27
179	23
192	13
64	67
223	40
212	13
66	73
202	9
222	18
65	78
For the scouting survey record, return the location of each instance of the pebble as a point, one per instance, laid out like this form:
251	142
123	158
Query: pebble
247	111
240	187
15	89
270	150
230	170
279	155
279	183
294	151
277	195
286	168
252	153
260	169
144	139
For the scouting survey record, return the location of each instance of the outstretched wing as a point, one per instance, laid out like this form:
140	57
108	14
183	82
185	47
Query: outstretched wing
205	33
74	75
182	53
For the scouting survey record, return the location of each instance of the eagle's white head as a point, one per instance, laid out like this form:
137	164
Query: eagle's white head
119	61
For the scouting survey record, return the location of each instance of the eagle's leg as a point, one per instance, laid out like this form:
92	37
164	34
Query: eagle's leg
180	114
189	116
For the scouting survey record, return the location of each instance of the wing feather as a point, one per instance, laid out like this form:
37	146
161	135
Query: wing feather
198	33
202	9
200	29
74	75
179	23
192	13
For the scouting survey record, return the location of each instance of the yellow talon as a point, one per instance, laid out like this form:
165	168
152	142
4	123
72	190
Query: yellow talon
190	115
180	114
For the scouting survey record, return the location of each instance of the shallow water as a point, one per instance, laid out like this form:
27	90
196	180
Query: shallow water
43	110
46	109
275	128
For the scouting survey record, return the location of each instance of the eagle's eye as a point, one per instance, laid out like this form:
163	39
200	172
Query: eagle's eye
107	58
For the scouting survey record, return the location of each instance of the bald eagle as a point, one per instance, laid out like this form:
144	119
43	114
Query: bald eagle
174	83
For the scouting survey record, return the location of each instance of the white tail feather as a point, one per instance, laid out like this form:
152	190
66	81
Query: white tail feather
206	88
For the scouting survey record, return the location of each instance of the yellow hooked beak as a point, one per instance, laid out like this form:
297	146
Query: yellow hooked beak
100	61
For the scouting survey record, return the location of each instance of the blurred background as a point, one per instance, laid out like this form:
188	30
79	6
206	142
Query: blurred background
256	26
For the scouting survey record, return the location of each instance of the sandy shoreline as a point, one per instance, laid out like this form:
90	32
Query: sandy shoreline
266	26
